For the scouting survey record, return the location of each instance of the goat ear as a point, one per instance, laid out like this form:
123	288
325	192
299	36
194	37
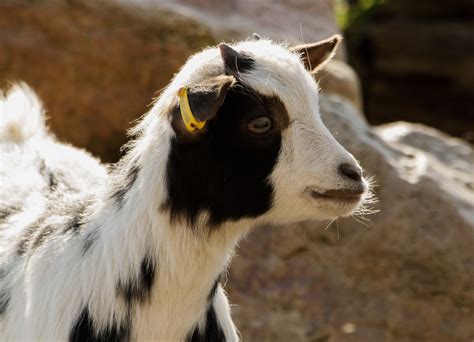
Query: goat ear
203	100
316	55
235	62
256	36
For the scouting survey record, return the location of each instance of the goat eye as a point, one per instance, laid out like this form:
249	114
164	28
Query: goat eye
260	125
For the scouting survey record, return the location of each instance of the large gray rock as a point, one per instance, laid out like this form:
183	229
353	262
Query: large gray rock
405	275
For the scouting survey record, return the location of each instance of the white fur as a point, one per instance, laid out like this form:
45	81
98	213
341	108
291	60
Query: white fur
21	115
50	287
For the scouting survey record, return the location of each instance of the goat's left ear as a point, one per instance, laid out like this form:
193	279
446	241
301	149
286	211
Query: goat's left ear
235	62
197	104
316	55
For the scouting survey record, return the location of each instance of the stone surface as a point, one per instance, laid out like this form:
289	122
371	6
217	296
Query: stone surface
416	61
293	20
339	78
96	67
405	275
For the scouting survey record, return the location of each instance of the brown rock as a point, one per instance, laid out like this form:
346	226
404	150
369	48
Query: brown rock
293	20
96	67
340	79
405	277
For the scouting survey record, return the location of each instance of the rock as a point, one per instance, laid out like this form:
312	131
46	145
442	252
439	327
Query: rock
339	78
405	275
293	20
95	66
416	62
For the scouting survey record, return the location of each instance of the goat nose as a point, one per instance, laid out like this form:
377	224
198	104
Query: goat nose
352	172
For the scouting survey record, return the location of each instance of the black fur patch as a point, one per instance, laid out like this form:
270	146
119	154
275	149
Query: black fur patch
43	233
125	186
212	293
236	62
4	301
212	331
139	289
245	63
75	223
89	240
8	211
225	172
48	175
40	230
28	235
84	330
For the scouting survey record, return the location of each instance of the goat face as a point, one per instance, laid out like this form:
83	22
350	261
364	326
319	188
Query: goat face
263	151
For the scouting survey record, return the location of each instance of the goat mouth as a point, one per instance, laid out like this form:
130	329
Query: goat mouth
340	195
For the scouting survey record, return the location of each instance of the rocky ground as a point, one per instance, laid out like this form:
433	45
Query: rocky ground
404	275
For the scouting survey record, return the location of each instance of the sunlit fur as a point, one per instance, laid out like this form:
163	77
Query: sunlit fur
49	286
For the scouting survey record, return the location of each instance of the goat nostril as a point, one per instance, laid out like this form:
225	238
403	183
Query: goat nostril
351	172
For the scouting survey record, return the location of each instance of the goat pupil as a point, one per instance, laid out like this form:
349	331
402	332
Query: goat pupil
260	125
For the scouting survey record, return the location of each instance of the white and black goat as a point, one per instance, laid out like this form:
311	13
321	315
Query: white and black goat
136	252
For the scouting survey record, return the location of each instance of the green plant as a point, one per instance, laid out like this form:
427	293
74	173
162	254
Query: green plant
351	12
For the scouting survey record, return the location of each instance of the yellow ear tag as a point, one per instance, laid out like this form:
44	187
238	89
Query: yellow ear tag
189	120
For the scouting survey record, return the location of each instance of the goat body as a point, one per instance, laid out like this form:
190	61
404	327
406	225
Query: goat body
137	251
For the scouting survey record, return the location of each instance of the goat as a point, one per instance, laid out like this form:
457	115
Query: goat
136	252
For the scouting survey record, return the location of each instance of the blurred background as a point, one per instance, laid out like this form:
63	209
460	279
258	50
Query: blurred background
399	96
